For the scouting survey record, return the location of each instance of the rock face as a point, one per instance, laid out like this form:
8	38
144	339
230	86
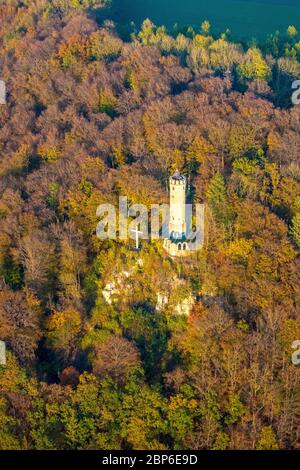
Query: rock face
162	300
109	291
182	308
120	284
115	288
176	301
185	307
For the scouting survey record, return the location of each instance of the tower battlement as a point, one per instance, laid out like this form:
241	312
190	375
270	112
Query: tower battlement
177	179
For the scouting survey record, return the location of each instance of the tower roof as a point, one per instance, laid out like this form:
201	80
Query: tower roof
177	176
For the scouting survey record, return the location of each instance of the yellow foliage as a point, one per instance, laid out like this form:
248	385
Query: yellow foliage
202	41
102	45
240	248
49	154
178	402
119	155
254	66
199	150
63	328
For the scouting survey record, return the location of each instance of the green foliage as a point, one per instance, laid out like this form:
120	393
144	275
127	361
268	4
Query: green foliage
149	331
216	192
205	27
86	187
7	425
13	272
221	442
182	412
245	166
235	409
52	198
243	325
295	229
107	103
292	31
218	201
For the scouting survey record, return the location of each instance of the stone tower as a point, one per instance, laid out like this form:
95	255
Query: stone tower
177	222
178	242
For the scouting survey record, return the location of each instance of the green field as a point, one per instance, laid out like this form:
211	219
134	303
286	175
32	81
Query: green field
245	18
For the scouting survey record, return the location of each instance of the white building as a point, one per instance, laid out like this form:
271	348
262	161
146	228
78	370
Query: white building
181	241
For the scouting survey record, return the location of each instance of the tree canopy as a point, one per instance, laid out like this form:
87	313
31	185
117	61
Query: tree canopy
98	356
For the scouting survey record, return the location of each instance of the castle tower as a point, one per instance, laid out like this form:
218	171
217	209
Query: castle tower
177	223
181	242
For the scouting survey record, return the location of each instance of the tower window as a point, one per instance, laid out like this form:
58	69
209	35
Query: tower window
179	247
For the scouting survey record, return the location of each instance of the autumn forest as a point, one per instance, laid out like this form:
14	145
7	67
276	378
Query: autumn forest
92	114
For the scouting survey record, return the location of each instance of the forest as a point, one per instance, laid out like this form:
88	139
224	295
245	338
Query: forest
90	116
